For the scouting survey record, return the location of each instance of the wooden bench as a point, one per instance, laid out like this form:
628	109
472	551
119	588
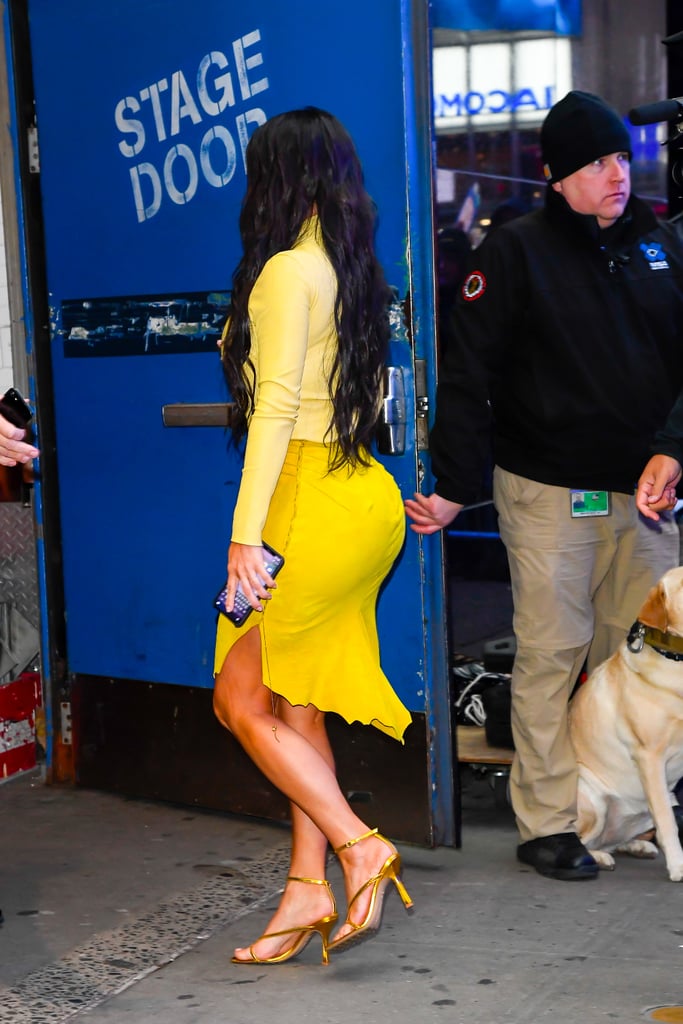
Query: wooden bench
473	748
491	762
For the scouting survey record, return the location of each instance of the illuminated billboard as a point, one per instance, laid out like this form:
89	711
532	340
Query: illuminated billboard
495	85
561	16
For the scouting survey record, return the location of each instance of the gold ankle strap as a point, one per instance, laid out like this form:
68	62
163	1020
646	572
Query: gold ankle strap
312	881
352	842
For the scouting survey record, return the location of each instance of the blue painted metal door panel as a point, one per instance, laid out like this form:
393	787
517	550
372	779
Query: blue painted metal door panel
144	109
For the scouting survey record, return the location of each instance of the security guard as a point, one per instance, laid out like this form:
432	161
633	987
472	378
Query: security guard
568	352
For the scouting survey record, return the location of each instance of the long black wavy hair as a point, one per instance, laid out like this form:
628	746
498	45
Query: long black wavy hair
297	161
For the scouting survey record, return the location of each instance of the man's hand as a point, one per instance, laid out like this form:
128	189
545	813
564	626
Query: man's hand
12	448
432	513
657	486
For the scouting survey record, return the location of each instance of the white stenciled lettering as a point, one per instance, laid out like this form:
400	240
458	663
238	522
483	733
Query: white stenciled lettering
150	173
152	94
222	84
245	64
254	117
218	134
172	107
181	170
181	195
182	103
129	126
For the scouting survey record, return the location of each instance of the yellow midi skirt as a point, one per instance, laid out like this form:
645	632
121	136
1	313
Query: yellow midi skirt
340	533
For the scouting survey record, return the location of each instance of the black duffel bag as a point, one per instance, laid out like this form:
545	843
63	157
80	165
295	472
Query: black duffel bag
497	703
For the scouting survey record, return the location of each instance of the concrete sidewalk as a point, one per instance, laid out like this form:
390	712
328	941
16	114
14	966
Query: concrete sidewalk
128	911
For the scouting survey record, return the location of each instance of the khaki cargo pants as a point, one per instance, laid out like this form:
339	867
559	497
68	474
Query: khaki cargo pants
577	587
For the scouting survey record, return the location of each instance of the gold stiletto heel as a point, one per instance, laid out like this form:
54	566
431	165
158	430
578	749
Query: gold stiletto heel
302	935
389	872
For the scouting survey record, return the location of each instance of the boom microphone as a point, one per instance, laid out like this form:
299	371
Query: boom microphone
651	113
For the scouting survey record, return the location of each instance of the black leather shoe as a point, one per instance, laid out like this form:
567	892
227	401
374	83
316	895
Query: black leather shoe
560	856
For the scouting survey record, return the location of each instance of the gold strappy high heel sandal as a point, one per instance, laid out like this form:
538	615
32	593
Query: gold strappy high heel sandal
389	872
302	935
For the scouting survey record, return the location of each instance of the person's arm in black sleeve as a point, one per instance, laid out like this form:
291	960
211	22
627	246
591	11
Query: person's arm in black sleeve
669	440
483	322
491	301
657	485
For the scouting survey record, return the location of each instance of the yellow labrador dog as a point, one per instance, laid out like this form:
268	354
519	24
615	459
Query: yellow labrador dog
626	724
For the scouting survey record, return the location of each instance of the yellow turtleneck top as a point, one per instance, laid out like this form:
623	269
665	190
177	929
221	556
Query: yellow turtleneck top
293	344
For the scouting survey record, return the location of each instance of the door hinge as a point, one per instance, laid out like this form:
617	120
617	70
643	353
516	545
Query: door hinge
421	405
33	152
65	723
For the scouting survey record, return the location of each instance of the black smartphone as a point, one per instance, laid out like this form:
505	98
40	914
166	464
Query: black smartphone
241	608
14	408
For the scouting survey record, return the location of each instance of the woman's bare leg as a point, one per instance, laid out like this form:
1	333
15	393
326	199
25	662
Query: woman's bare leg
300	904
289	759
309	844
293	752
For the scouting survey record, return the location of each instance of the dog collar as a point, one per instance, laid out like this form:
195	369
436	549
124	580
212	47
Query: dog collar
666	644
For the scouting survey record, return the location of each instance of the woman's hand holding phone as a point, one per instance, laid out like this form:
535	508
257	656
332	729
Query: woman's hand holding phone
15	416
251	575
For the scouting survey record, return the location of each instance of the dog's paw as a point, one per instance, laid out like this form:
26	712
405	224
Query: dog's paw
603	859
639	848
676	871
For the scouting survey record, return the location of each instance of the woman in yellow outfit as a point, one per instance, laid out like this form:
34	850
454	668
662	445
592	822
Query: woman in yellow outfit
303	355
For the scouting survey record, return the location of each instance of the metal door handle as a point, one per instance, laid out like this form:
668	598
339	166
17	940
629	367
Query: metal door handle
201	414
391	433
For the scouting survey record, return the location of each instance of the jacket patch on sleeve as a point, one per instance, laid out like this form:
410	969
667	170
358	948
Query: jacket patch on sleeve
473	286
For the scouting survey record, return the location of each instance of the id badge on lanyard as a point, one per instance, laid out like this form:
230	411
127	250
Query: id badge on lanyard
589	503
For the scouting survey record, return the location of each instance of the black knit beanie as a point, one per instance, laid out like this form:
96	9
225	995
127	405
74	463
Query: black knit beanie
579	129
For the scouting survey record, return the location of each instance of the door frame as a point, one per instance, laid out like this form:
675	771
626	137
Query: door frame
444	765
81	696
29	311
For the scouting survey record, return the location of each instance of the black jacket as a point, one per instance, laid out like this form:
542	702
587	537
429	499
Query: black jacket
669	440
569	345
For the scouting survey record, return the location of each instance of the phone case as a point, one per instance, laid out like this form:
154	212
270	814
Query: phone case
241	608
14	408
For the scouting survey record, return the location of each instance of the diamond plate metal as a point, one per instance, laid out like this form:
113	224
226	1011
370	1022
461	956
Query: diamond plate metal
18	566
